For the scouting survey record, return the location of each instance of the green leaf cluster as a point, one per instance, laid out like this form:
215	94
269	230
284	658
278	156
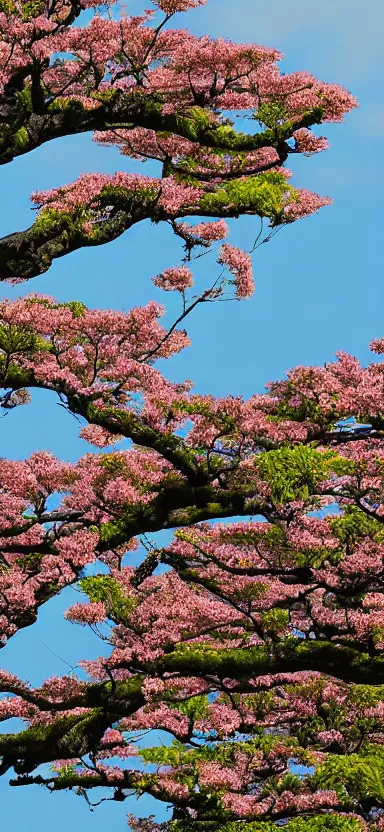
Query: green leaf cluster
353	525
356	777
20	339
294	473
105	589
265	195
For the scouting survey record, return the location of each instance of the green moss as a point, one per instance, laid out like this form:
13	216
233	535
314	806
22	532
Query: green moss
21	140
50	219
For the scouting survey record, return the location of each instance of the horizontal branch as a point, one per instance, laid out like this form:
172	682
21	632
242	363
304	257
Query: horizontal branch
26	254
174	506
54	234
23	132
76	735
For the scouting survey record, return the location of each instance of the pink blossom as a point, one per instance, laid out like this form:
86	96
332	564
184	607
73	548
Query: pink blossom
306	142
98	436
239	264
303	204
174	279
172	6
91	613
377	346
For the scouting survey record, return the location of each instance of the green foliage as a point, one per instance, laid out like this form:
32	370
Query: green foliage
30	563
328	823
105	589
40	734
77	308
27	11
294	473
112	533
24	98
271	113
71	106
353	525
193	122
289	782
115	464
315	557
14	339
320	823
274	621
366	695
51	220
264	195
21	140
195	708
32	9
177	754
119	194
356	777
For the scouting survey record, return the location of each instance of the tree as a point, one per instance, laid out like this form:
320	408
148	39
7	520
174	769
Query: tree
258	645
157	93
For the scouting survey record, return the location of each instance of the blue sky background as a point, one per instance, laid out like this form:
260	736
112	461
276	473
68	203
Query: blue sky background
319	289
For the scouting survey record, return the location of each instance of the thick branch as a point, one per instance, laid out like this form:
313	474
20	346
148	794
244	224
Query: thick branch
22	133
26	254
74	736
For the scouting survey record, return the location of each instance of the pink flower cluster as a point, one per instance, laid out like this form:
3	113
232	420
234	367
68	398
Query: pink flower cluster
210	232
239	263
91	613
88	189
377	346
176	279
173	6
303	204
96	435
306	142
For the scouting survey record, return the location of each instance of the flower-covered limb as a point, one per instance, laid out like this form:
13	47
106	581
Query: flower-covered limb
223	783
77	734
23	131
37	562
97	209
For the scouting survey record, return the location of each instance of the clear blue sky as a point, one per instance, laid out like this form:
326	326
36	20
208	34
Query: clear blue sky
319	289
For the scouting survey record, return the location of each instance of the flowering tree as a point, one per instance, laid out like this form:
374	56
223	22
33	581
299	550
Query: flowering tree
257	645
158	93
